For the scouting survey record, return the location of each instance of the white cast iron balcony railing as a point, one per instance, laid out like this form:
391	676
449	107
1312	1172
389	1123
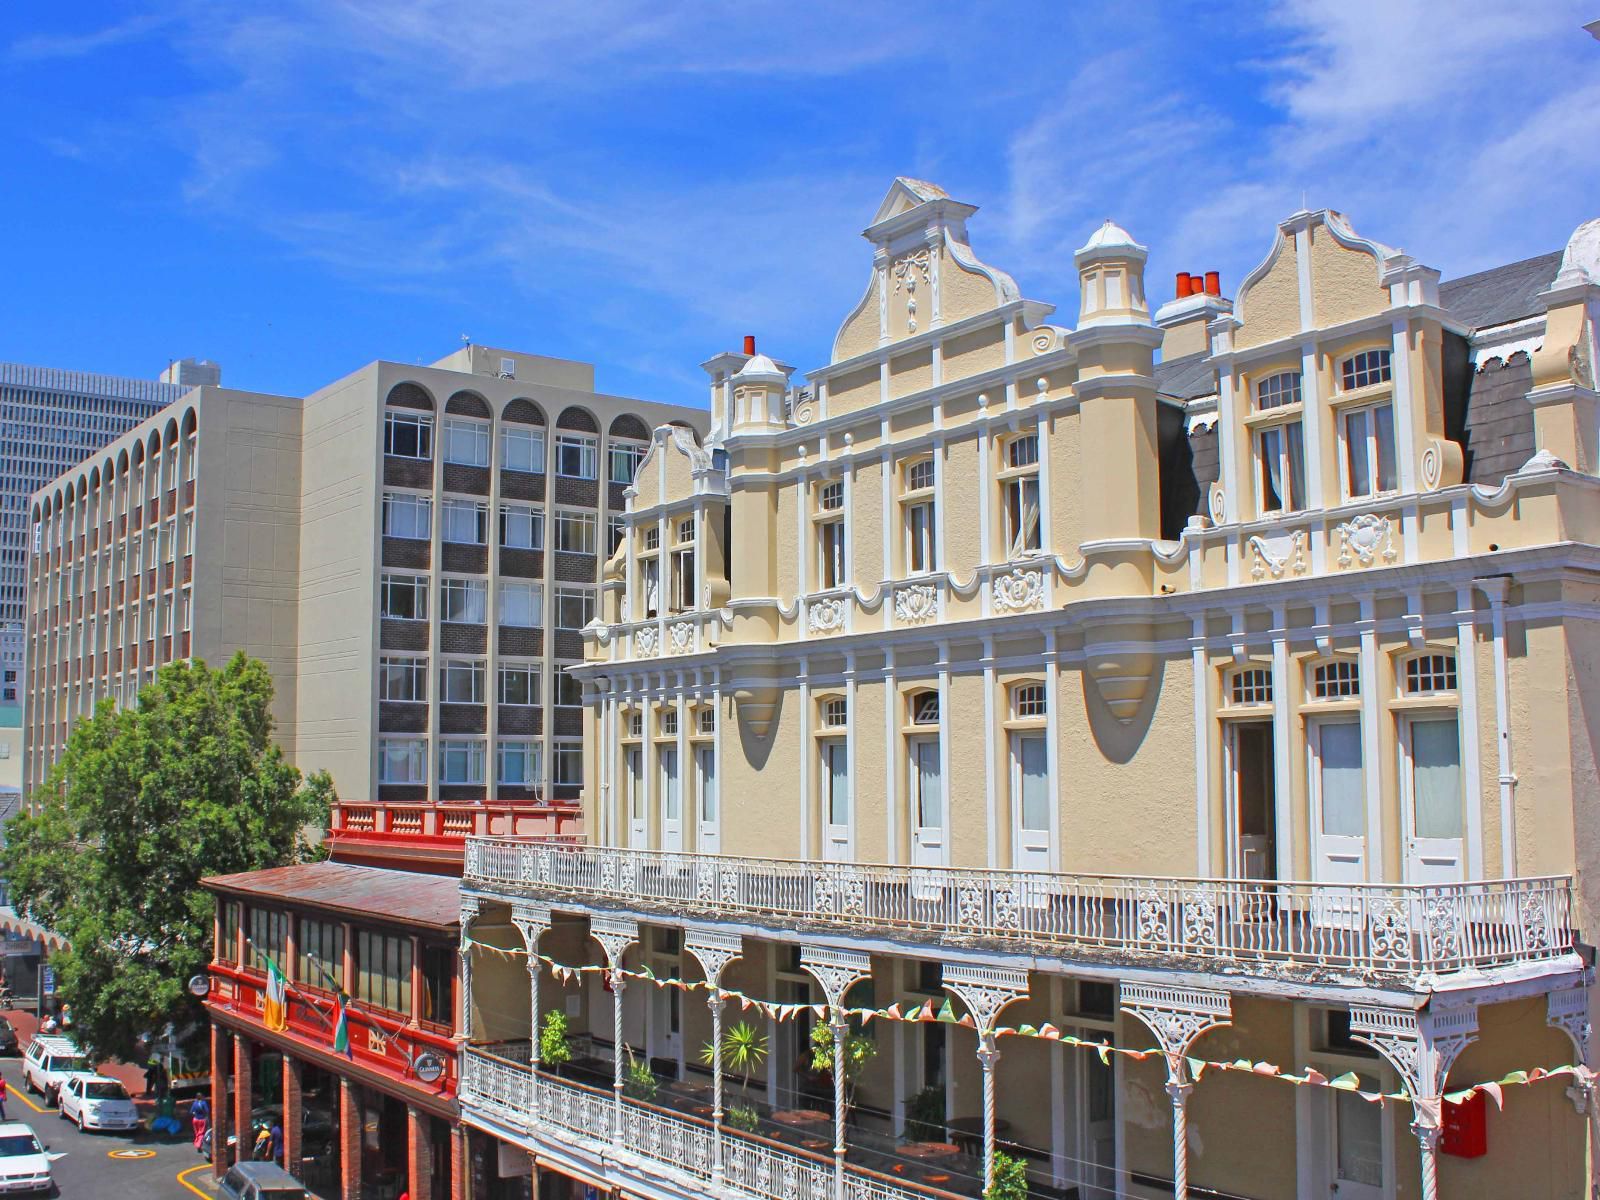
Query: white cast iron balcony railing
497	1082
1393	931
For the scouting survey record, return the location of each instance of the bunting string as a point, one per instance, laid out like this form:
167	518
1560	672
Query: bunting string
944	1013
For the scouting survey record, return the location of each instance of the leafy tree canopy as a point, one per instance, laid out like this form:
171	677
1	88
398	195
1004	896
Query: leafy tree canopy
145	803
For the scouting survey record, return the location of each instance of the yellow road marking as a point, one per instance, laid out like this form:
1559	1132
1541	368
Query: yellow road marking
130	1154
190	1186
20	1092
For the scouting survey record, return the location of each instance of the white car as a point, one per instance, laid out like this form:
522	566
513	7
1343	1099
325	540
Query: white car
24	1165
49	1060
95	1102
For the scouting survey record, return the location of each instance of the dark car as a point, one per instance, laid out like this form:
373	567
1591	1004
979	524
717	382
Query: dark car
8	1037
260	1181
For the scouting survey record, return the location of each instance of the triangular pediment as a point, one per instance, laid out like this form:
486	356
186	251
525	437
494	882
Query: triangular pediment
905	194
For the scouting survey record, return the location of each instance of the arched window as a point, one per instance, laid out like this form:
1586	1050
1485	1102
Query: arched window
1429	674
1249	686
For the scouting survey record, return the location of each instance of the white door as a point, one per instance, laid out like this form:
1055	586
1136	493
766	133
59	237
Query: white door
835	785
1338	802
1430	749
1030	801
926	786
705	769
633	781
671	799
1355	1144
1095	1109
1251	799
666	1016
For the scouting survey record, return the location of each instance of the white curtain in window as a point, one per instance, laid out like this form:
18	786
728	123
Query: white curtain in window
836	762
1436	778
930	785
1033	775
706	758
1343	802
671	797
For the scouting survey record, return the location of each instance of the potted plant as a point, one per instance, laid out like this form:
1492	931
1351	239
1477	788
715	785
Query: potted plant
743	1050
745	1118
639	1081
859	1050
925	1116
555	1043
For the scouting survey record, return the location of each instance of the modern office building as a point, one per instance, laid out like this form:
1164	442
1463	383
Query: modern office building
413	551
1161	774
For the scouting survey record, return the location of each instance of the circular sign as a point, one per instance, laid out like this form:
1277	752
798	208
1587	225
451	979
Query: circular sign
428	1067
125	1154
200	985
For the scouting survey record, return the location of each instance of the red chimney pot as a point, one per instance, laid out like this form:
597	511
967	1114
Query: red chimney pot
1214	283
1185	285
749	343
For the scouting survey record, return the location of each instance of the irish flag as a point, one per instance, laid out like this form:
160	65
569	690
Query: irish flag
275	1011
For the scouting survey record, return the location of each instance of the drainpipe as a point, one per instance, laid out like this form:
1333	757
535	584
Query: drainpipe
1496	588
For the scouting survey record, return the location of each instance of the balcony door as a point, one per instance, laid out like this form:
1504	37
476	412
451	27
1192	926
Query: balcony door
705	770
671	792
633	780
835	784
1030	800
1432	792
1252	799
925	785
1095	1108
1338	801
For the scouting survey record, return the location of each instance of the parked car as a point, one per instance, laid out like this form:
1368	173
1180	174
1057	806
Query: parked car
8	1037
24	1164
49	1060
260	1181
95	1102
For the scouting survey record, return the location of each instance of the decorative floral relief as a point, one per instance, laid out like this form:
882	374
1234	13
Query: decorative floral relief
825	616
644	641
682	637
1366	538
907	272
1265	562
916	603
1019	590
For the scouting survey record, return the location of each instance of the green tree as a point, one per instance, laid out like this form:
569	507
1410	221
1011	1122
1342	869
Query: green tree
859	1050
1010	1178
145	803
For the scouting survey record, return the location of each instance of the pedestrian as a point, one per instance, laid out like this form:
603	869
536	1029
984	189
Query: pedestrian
3	1098
66	1016
49	1024
277	1143
200	1119
263	1145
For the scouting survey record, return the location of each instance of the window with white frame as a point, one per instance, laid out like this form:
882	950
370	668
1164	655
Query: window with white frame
1281	453
574	531
404	597
521	603
1278	391
1365	369
464	521
408	435
402	760
517	762
1369	451
1429	674
405	515
835	712
403	679
466	442
924	708
829	522
574	606
1431	748
650	582
461	681
835	779
1027	701
568	687
706	721
463	601
522	449
1339	679
624	459
461	760
576	455
567	755
635	724
683	576
1019	495
521	527
519	683
917	505
1250	685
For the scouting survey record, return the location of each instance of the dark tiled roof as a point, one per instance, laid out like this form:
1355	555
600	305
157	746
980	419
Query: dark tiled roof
1187	377
1500	294
402	897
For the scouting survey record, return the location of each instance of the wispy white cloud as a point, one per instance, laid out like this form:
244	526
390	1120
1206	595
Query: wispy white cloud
41	47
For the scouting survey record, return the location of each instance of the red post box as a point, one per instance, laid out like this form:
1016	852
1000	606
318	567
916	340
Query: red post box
1466	1127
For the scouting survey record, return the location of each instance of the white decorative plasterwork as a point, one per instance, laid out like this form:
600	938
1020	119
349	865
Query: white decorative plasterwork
1568	1011
985	990
1277	556
907	271
644	641
915	603
1218	505
1019	590
714	951
680	637
825	616
1420	1046
1176	1015
531	918
1366	538
835	970
615	935
1432	467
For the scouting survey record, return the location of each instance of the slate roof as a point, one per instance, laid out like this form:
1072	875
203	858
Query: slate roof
1500	294
1186	378
403	897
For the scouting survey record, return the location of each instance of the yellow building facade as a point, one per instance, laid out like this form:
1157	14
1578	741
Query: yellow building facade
1212	683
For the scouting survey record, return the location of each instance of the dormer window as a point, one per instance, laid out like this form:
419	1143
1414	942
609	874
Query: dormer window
1275	391
1365	369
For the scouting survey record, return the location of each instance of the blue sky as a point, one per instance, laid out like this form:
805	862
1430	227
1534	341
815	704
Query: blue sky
297	188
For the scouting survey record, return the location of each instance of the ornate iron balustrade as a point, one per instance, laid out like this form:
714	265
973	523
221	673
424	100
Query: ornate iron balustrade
1395	931
497	1081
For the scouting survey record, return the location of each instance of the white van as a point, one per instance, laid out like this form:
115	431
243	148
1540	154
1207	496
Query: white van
47	1062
